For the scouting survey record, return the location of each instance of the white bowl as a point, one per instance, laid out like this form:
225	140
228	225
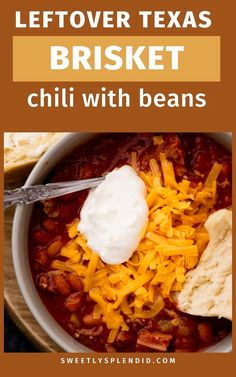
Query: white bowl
20	245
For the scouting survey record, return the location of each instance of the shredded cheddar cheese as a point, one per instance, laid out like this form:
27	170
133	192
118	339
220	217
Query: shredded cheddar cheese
170	244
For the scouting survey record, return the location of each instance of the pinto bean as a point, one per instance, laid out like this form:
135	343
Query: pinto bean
61	285
47	280
124	337
75	281
54	248
74	302
186	326
41	257
41	237
205	332
88	320
185	343
49	225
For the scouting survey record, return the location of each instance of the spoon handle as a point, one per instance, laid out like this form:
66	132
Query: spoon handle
31	194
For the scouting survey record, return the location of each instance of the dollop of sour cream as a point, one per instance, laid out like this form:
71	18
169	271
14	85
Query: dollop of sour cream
114	215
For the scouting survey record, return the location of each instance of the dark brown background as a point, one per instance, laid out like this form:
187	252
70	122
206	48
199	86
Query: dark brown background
218	115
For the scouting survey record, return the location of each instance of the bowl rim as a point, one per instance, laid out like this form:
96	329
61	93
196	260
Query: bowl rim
26	285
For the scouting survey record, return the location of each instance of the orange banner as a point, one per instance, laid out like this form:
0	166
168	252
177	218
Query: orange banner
116	58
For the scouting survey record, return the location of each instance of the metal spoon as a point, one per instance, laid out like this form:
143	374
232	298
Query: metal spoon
31	194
